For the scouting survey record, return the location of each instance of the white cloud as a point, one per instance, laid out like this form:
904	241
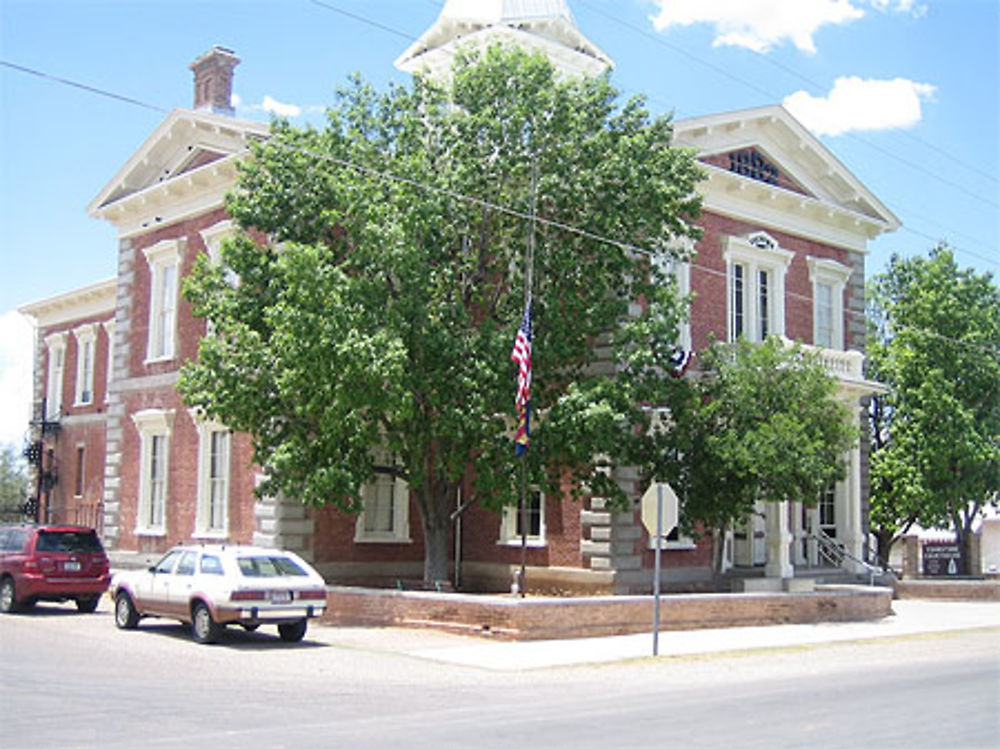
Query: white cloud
235	99
861	104
759	25
279	108
16	354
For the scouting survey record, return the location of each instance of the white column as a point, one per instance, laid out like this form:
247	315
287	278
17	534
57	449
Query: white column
849	513
779	539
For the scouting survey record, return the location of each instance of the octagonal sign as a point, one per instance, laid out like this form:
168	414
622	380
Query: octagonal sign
648	507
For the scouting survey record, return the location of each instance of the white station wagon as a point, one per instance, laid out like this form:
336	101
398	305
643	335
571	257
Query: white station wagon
211	586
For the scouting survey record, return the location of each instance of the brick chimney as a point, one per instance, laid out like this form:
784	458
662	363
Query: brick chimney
213	80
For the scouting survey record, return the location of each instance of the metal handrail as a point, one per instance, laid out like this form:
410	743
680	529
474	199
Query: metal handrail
835	553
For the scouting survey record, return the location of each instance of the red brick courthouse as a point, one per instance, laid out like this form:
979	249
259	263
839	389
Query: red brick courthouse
786	227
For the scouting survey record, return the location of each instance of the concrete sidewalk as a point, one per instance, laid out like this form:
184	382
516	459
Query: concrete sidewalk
912	617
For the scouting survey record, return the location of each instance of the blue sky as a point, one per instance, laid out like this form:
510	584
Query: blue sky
904	92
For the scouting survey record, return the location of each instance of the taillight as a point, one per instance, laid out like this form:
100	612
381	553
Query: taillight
30	565
247	595
313	595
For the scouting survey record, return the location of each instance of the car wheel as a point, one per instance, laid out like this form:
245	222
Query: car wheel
204	629
126	617
8	600
293	632
87	604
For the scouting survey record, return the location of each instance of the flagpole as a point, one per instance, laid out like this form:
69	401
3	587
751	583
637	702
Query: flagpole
528	279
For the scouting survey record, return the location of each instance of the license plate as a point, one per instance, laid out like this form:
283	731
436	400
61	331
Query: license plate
71	566
281	596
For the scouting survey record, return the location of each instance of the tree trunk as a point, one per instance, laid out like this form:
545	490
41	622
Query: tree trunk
437	543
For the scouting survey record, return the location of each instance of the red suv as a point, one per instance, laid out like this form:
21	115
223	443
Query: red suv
51	563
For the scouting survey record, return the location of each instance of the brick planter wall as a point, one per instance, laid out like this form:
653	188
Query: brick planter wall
953	590
560	618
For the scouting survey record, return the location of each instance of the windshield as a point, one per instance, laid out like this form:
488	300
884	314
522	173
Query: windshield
269	566
68	541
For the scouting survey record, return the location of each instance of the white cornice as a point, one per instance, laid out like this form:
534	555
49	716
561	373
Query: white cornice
797	151
181	133
89	301
750	200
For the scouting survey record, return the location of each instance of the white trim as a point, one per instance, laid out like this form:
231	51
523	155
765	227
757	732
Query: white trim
824	272
164	259
758	253
109	330
151	424
89	301
86	362
56	345
509	521
203	516
399	497
213	236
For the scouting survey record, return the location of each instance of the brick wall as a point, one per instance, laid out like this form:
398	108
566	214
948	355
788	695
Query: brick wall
551	618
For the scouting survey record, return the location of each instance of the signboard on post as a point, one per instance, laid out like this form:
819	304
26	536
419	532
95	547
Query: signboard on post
659	514
648	507
942	560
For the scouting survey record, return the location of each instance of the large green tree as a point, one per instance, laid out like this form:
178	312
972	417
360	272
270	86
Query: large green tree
936	344
382	278
13	483
759	422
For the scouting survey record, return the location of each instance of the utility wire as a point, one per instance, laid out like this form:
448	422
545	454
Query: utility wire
82	86
455	195
774	97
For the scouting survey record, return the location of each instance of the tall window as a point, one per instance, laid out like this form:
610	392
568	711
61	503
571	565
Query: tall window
214	441
80	465
828	279
86	339
154	428
511	524
109	328
164	260
756	268
386	505
56	344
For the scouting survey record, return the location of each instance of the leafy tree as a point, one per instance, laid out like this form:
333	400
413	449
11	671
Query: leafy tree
13	482
381	309
761	421
936	345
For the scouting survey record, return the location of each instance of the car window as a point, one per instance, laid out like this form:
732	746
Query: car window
18	538
166	565
5	539
269	566
186	565
211	565
68	541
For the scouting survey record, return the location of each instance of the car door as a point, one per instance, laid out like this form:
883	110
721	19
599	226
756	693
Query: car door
152	588
180	585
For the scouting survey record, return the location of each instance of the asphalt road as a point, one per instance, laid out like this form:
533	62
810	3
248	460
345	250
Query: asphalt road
72	680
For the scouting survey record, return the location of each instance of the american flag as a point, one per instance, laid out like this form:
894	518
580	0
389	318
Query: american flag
522	398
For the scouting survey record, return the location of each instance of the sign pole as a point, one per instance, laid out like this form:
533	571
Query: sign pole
657	570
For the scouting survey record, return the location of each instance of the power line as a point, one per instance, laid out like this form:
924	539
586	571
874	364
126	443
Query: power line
82	86
481	202
774	97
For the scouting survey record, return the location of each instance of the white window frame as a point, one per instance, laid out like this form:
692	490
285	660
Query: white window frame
757	253
213	236
509	535
56	344
213	488
86	356
399	491
830	273
164	260
109	329
154	492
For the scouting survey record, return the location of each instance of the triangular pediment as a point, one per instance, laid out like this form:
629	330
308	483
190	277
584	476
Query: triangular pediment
767	147
754	162
185	142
